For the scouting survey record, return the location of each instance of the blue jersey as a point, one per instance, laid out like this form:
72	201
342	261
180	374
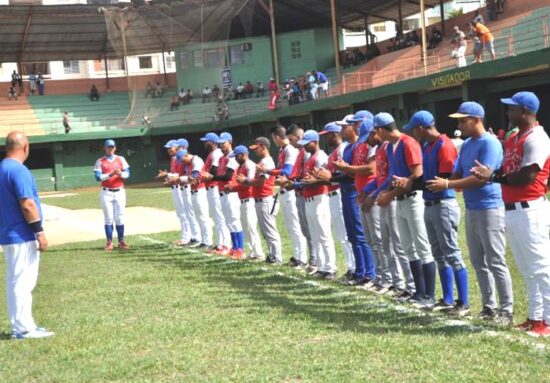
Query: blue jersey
16	183
438	157
406	154
486	149
321	77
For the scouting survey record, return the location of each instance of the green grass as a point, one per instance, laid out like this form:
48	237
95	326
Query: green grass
159	314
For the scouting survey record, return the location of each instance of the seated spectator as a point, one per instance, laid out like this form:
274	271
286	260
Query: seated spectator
478	18
206	94
272	86
435	38
500	6
174	103
229	92
412	39
260	90
12	93
240	91
182	95
149	90
393	45
248	89
159	91
491	10
216	91
189	95
222	110
372	52
359	57
348	59
94	93
66	123
458	43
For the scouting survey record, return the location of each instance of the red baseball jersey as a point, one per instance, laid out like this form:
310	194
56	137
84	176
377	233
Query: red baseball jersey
248	169
337	154
225	163
317	160
361	155
213	159
197	165
106	166
267	189
382	165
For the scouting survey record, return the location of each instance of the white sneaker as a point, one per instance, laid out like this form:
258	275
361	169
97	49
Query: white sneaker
38	332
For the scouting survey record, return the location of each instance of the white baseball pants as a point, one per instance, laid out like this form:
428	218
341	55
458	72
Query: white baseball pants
318	217
339	228
222	234
22	261
292	224
177	200
231	211
189	213
527	231
249	221
113	205
200	208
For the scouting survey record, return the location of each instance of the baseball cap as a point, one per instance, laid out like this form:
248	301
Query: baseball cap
168	145
421	118
109	143
224	137
180	154
526	99
457	133
344	120
309	136
383	119
210	137
260	141
241	149
331	127
183	143
469	109
365	129
360	116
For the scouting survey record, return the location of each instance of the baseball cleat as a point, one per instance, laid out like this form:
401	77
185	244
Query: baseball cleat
37	333
528	325
504	318
443	306
329	276
255	258
540	328
224	251
238	255
487	313
194	245
123	246
109	246
310	270
459	310
180	242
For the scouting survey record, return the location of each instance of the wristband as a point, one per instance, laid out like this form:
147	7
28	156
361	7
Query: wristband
500	179
36	226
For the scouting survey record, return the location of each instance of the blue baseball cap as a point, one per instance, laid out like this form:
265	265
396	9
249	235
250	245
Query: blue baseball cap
241	149
331	127
182	143
383	119
309	136
421	118
180	154
171	144
469	109
224	137
109	143
210	137
360	116
365	129
526	99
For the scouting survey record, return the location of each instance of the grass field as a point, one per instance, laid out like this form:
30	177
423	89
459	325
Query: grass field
160	313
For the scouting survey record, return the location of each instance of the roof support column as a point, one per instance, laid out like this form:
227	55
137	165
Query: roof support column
107	84
400	16
123	31
335	41
274	43
423	25
442	12
164	67
366	21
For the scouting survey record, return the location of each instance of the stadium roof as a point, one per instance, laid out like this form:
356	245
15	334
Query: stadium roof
31	33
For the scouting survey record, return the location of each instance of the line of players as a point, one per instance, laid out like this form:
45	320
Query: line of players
390	200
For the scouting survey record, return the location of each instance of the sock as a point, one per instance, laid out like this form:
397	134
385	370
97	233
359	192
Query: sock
120	232
428	270
416	271
446	277
234	240
461	278
240	237
109	232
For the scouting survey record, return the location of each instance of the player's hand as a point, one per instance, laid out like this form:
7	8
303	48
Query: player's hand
260	169
206	176
437	184
227	188
368	203
402	183
309	179
340	164
42	241
323	175
172	180
241	178
162	174
384	199
116	172
281	181
483	172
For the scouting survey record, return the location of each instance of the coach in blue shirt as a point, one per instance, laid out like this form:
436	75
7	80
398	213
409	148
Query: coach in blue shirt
21	236
484	212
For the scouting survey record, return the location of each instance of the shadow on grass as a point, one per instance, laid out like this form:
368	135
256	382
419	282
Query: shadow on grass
5	336
332	305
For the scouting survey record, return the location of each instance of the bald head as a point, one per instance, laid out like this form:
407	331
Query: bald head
17	145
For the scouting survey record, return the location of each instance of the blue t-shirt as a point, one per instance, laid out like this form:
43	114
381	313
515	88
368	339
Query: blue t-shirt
437	158
321	77
16	183
487	149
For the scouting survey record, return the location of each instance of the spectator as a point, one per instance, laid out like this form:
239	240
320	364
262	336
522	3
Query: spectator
458	42
260	90
94	93
206	94
312	83
230	92
478	18
216	92
32	83
66	123
349	59
12	93
248	89
41	84
413	39
272	86
491	10
435	38
240	91
372	52
222	110
499	6
174	103
486	38
17	80
189	95
149	89
181	95
457	140
159	91
322	80
392	45
478	46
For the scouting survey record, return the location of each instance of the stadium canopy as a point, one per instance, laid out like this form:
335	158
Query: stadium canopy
34	33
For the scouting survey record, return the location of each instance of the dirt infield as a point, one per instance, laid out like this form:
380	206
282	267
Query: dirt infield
65	225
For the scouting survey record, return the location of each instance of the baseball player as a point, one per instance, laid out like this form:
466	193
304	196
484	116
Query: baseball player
286	163
441	213
112	171
263	185
484	219
332	132
316	197
226	172
211	166
249	218
194	232
405	159
524	179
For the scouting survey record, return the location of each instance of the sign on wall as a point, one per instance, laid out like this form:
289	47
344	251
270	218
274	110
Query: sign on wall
226	77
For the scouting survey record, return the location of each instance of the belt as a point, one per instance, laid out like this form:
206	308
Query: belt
259	199
245	200
513	205
174	186
312	198
432	203
222	194
210	187
112	190
282	191
194	191
332	193
404	196
185	186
